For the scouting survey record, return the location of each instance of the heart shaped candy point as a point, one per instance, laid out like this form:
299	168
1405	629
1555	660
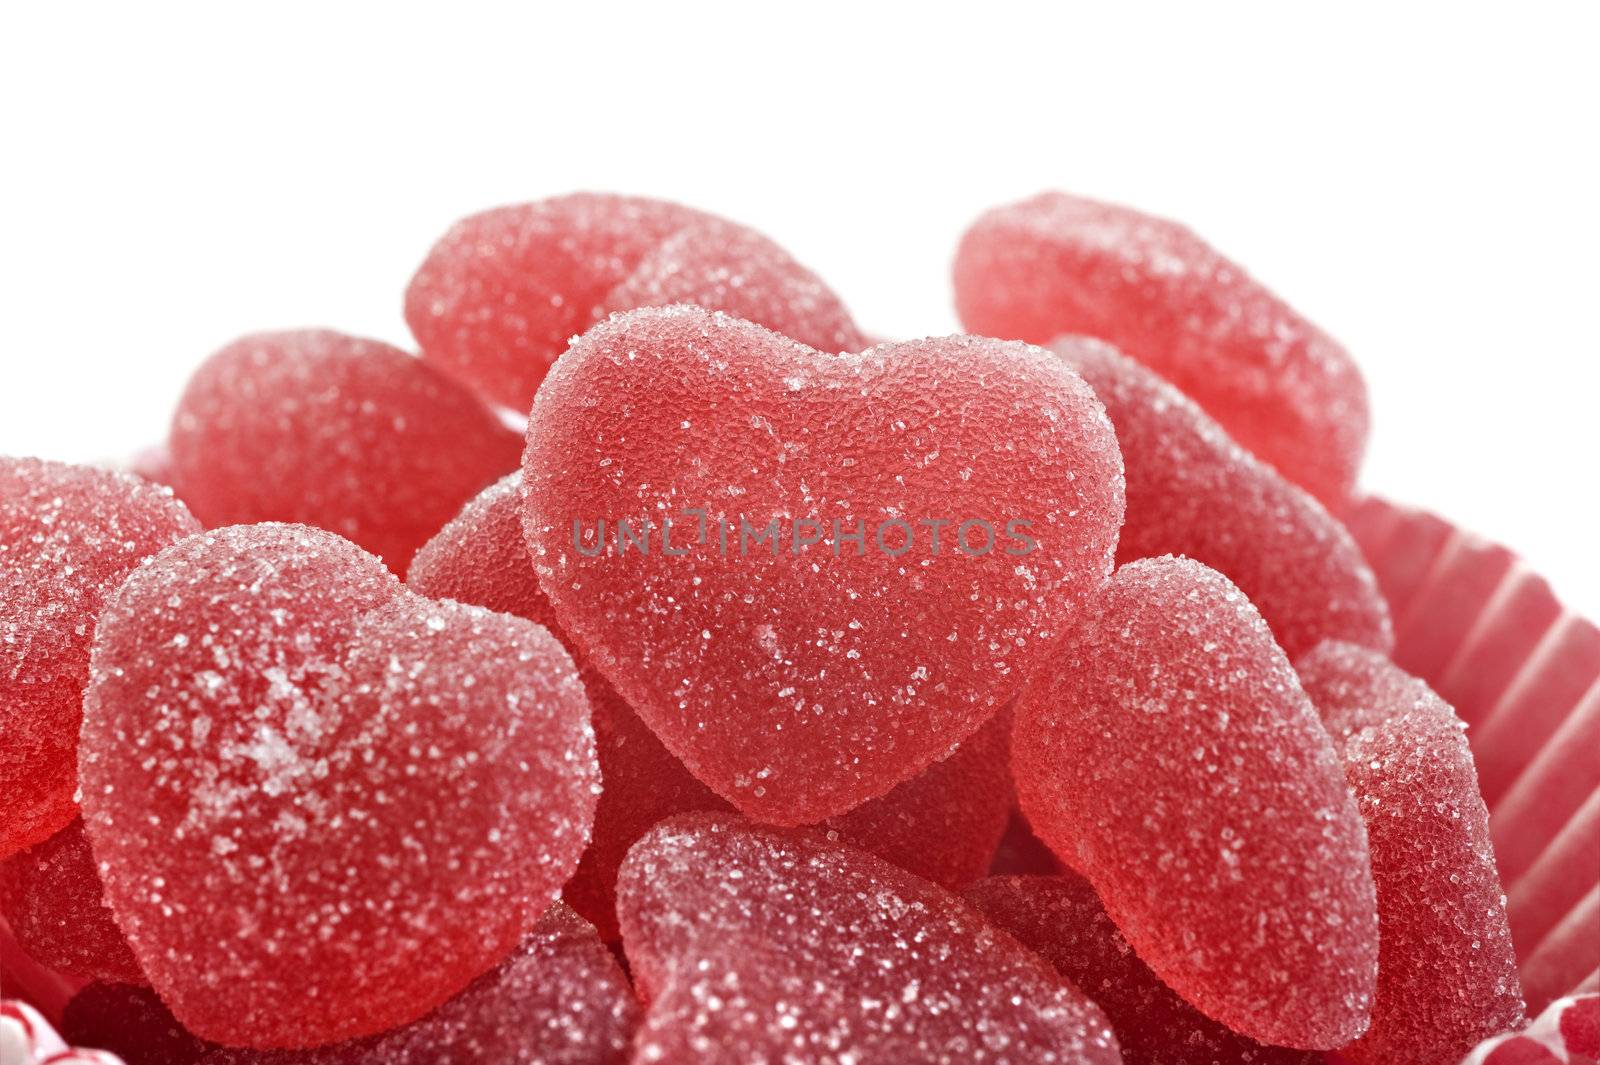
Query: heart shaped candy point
813	574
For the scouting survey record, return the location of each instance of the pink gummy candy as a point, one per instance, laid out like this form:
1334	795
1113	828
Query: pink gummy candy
335	431
1059	264
51	897
1193	491
504	291
943	824
323	804
559	999
1169	754
68	537
763	637
1061	919
1447	972
763	944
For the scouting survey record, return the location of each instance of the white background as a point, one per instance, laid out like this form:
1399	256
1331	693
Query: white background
1421	181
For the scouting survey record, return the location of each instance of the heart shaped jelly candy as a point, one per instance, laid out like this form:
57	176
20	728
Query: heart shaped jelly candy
335	431
814	574
752	943
504	291
322	804
68	537
1170	756
1059	264
943	824
1192	491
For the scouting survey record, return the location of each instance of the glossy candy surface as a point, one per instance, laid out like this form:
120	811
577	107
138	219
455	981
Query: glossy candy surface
69	535
757	658
761	944
1169	755
1059	264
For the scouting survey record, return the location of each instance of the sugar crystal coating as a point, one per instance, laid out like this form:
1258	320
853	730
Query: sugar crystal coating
335	431
943	824
68	537
730	268
1061	919
1193	491
758	659
751	943
322	805
559	999
503	292
1447	971
1058	264
51	897
1169	755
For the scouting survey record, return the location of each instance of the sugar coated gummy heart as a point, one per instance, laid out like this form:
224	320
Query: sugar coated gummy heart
866	553
504	291
1193	491
1061	919
560	999
1447	972
51	897
323	804
1169	755
68	537
943	824
762	944
335	431
1060	264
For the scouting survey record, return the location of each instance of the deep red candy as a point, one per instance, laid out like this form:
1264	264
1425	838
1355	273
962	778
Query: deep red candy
942	825
1060	919
501	294
763	944
322	804
1059	264
1169	754
132	1023
335	431
51	897
68	537
1447	971
1021	853
798	683
725	267
1193	491
559	999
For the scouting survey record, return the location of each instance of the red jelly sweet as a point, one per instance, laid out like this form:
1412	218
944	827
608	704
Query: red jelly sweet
1169	754
323	804
1193	491
1061	920
335	431
559	999
813	611
51	897
68	537
1447	972
132	1023
764	944
503	292
1059	264
943	824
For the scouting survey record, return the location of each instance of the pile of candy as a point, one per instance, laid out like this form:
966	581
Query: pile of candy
659	670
